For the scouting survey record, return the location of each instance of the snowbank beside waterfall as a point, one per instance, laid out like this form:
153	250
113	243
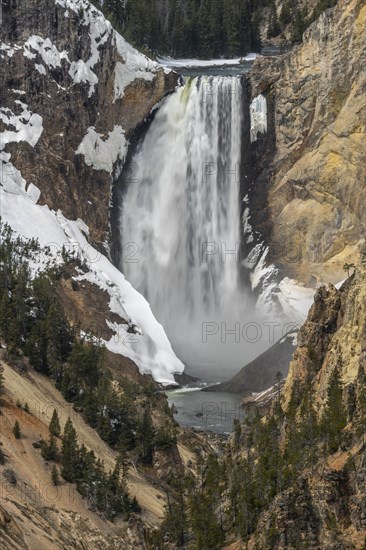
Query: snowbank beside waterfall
295	299
283	298
258	117
148	347
102	154
277	297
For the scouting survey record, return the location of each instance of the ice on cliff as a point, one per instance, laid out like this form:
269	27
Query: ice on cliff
258	117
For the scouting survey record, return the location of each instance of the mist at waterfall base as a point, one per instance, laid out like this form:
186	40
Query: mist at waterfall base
180	223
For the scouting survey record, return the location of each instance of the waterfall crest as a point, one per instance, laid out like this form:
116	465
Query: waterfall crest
181	219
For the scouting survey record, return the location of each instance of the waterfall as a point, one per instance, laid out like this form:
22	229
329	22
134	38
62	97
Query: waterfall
180	221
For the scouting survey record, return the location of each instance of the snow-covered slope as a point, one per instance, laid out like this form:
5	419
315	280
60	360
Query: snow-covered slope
25	141
148	347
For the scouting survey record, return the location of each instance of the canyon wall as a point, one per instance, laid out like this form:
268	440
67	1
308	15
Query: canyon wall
324	507
308	194
66	63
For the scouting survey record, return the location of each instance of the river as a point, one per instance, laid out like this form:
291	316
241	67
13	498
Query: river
205	411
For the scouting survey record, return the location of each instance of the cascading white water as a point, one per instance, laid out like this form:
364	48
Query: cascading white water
182	212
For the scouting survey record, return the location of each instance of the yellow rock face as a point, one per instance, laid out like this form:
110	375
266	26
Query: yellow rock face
317	189
334	334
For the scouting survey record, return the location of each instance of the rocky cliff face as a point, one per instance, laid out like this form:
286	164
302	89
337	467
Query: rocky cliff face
66	63
334	334
325	507
307	194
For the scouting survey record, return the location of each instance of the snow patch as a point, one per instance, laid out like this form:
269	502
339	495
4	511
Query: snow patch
340	284
8	50
248	230
81	72
51	56
186	63
262	270
40	68
33	193
293	336
11	179
135	66
27	126
295	299
285	298
103	154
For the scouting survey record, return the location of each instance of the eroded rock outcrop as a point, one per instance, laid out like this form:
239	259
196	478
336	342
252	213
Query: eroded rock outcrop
311	165
334	334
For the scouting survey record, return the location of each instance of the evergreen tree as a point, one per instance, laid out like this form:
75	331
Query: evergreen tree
361	402
237	432
117	491
273	27
85	362
145	437
286	13
176	520
49	450
297	394
208	533
267	478
1	378
302	436
231	28
203	28
69	455
255	36
16	430
54	427
299	25
164	437
123	461
5	316
59	339
334	417
55	475
244	505
36	347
